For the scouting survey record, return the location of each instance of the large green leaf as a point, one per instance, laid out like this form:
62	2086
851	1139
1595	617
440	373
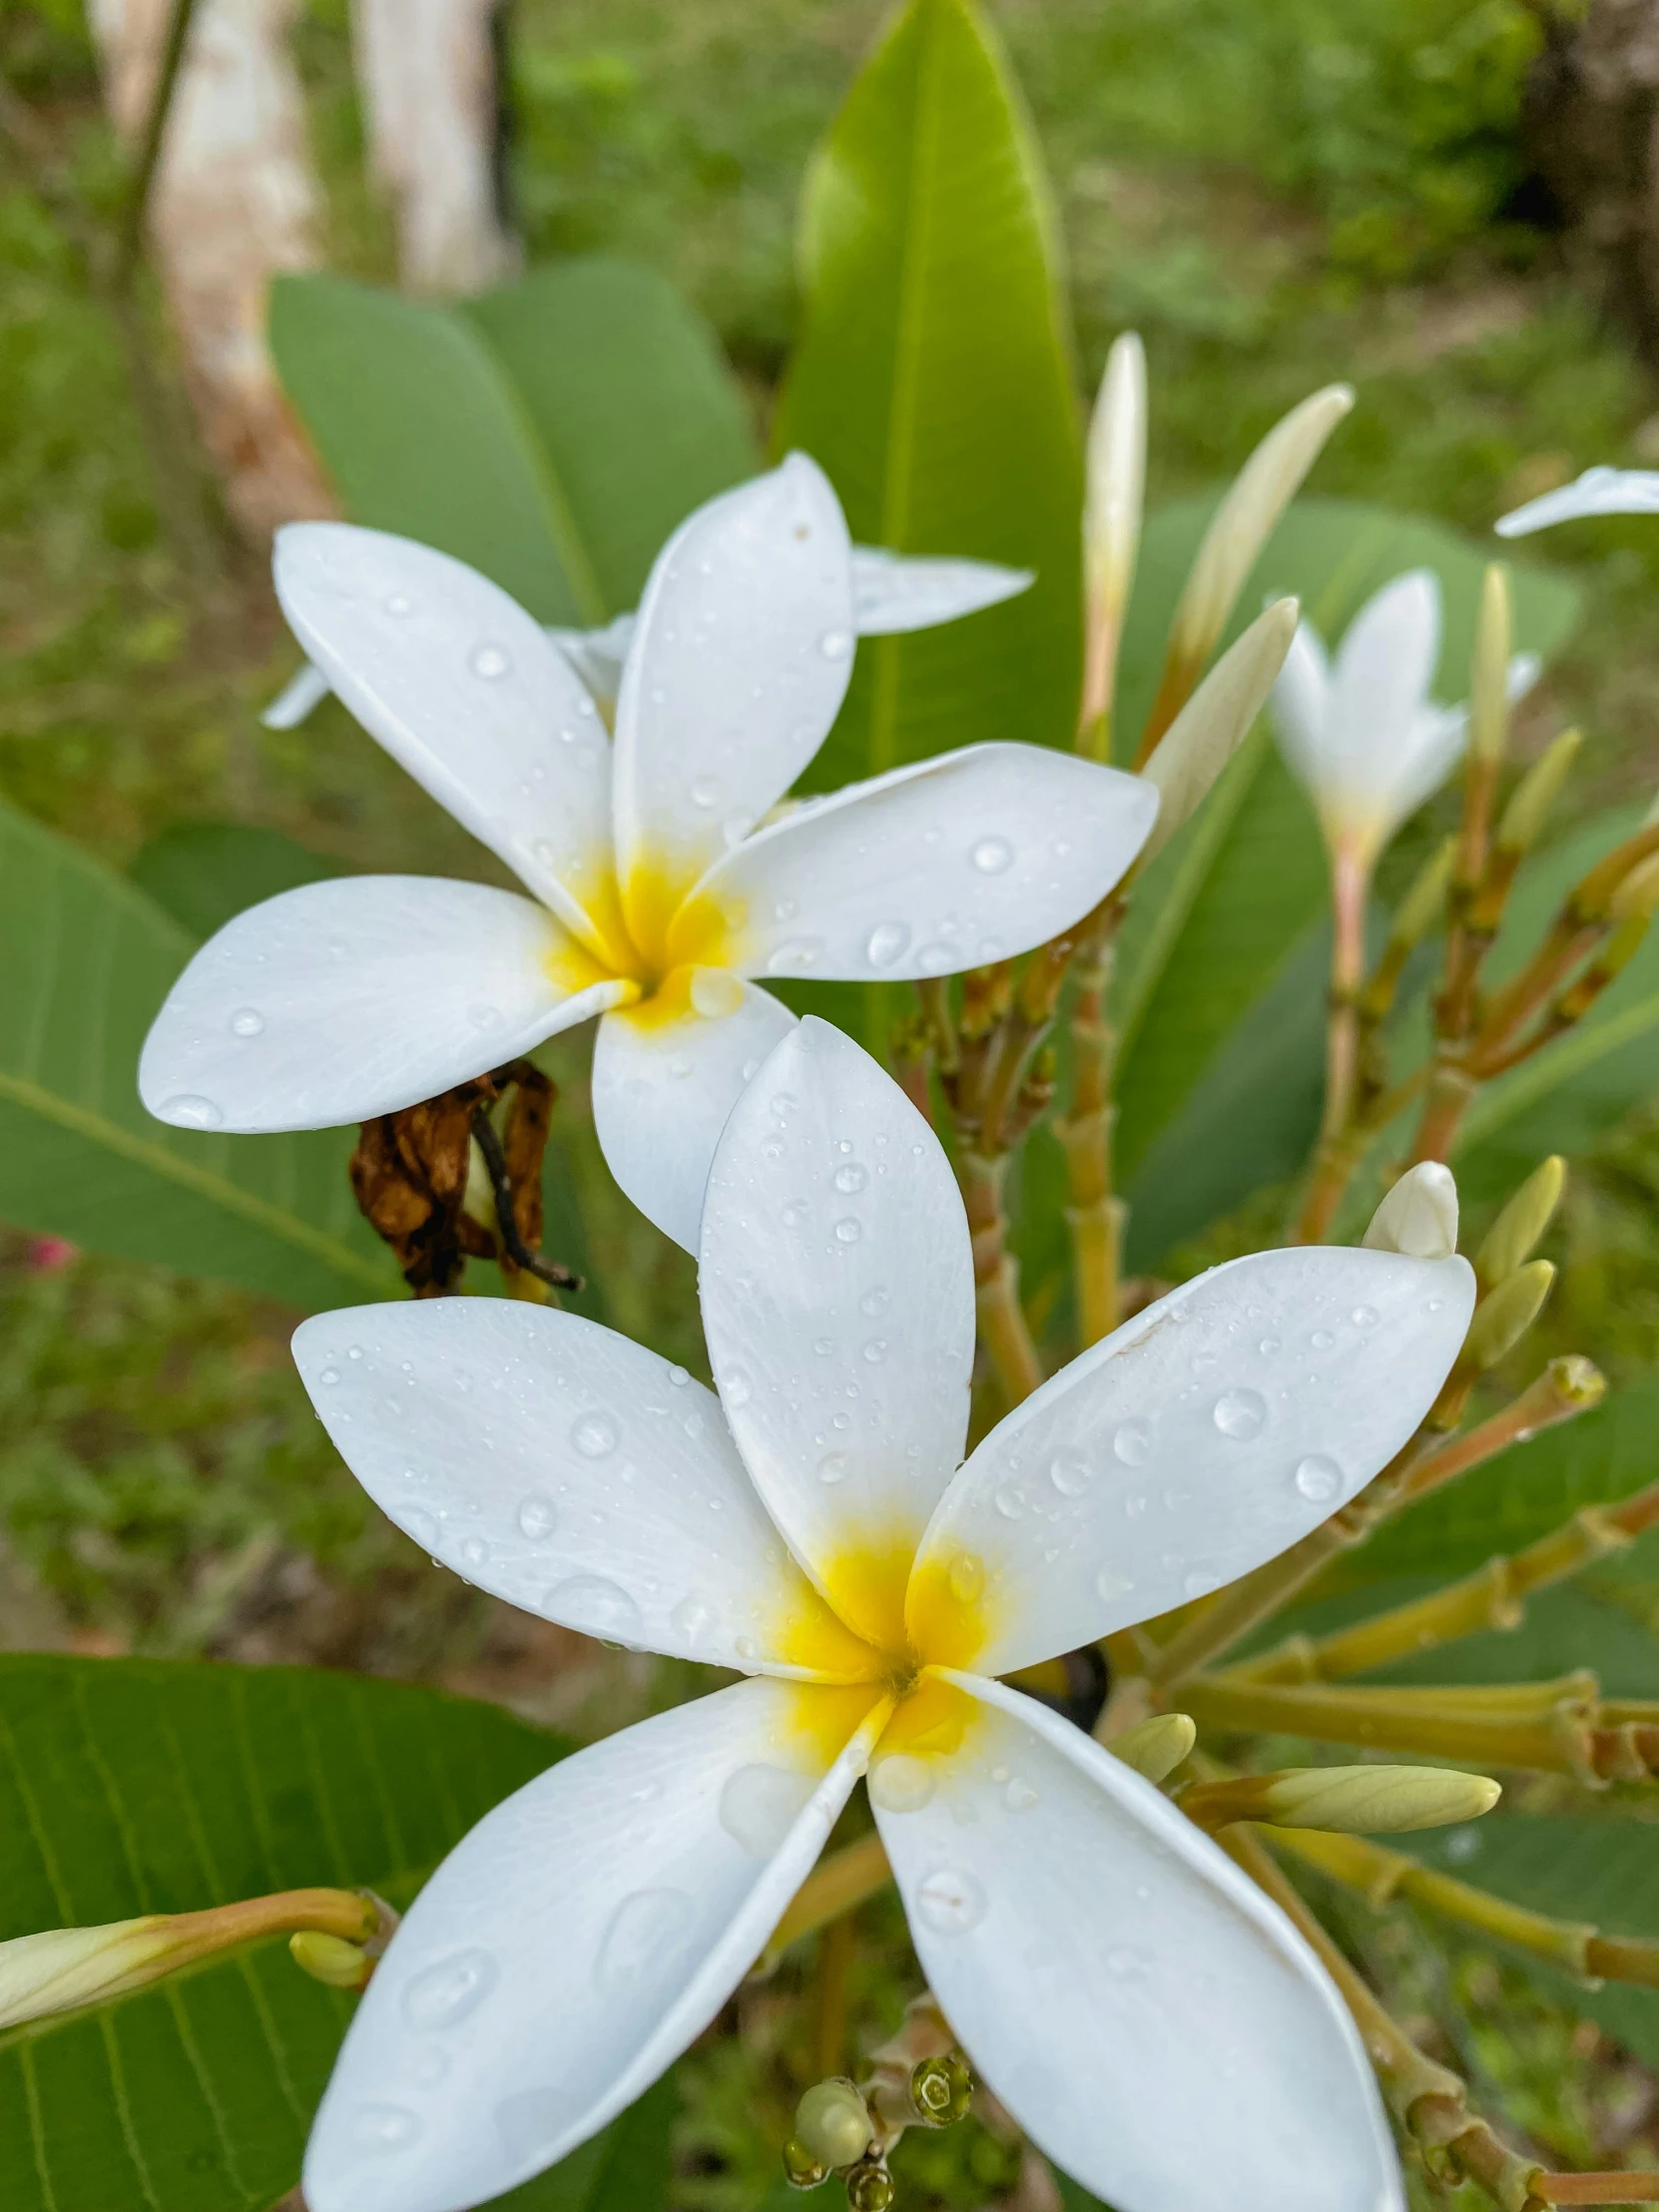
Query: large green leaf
138	1786
933	382
85	962
204	873
552	433
1227	909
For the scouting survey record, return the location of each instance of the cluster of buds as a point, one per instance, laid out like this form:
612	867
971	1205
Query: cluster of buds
844	2129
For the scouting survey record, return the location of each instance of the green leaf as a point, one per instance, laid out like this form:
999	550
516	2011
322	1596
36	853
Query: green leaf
933	383
552	433
1215	928
204	873
85	962
138	1786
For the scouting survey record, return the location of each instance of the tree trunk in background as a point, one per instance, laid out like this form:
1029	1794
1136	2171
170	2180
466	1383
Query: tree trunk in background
1590	124
234	202
427	72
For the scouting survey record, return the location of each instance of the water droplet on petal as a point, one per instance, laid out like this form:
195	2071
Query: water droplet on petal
992	855
886	943
647	1929
876	1301
1271	1344
705	792
715	993
1132	1442
691	1618
851	1178
595	1435
1020	1797
384	2127
951	1901
329	1375
1110	1584
1240	1414
966	1578
1321	1340
537	1518
445	1993
833	1467
761	1804
679	1376
246	1021
848	1229
399	603
794	957
1009	1504
1069	1472
190	1110
491	662
1318	1479
735	1387
900	1783
1366	1317
595	1606
876	1352
834	645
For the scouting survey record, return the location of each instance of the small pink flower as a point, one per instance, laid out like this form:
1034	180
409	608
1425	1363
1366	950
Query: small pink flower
50	1255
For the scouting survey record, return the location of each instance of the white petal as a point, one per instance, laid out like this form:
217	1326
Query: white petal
892	592
969	858
1205	1435
597	656
299	698
1428	751
571	1946
837	1282
1385	667
1599	491
1150	2020
741	657
469	695
341	1000
1300	704
566	1469
1418	1215
663	1084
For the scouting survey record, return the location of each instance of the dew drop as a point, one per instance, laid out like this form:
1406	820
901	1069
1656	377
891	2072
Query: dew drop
1020	1797
794	957
848	1229
876	1301
900	1783
760	1805
595	1606
1132	1442
190	1110
384	2127
647	1929
693	1619
834	645
246	1021
1069	1472
887	944
715	993
1110	1584
399	603
679	1376
537	1518
875	1351
1009	1504
952	1901
735	1387
1364	1316
966	1578
705	792
851	1178
1318	1479
1240	1414
329	1375
833	1467
491	662
1271	1344
595	1435
1321	1340
992	855
446	1992
474	1552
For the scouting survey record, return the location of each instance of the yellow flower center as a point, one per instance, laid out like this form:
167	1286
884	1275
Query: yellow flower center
677	953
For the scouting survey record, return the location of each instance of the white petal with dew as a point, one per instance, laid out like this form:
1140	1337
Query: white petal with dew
345	1000
598	657
470	695
894	592
1599	491
740	656
1300	702
1418	1215
1383	668
1202	1437
572	1945
662	1089
940	867
1153	2022
837	1282
559	1466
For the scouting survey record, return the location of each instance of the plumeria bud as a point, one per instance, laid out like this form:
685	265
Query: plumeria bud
1501	1320
1425	904
800	2169
1489	680
869	2187
1111	525
1419	1215
1533	799
1245	519
833	2122
941	2090
1637	895
1214	723
1156	1746
69	1966
1513	1237
331	1960
1345	1801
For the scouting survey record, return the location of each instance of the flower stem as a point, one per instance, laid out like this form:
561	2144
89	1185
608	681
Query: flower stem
1002	1326
1338	1153
1094	1215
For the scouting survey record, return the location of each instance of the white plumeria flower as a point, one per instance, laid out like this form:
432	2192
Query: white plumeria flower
1599	491
1150	2020
657	895
891	592
1365	736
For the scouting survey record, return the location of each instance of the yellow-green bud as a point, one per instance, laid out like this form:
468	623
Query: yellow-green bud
1419	1215
1425	904
331	1960
69	1966
1375	1801
1489	680
1116	478
941	2090
1513	1238
1638	892
1155	1746
800	2169
869	2187
1213	724
832	2121
1501	1320
1578	1382
1533	799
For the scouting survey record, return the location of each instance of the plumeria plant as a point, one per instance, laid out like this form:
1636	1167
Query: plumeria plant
1054	966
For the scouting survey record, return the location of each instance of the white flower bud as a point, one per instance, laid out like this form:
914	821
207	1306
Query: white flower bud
1214	723
1375	1801
65	1967
833	2123
1419	1215
1155	1746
